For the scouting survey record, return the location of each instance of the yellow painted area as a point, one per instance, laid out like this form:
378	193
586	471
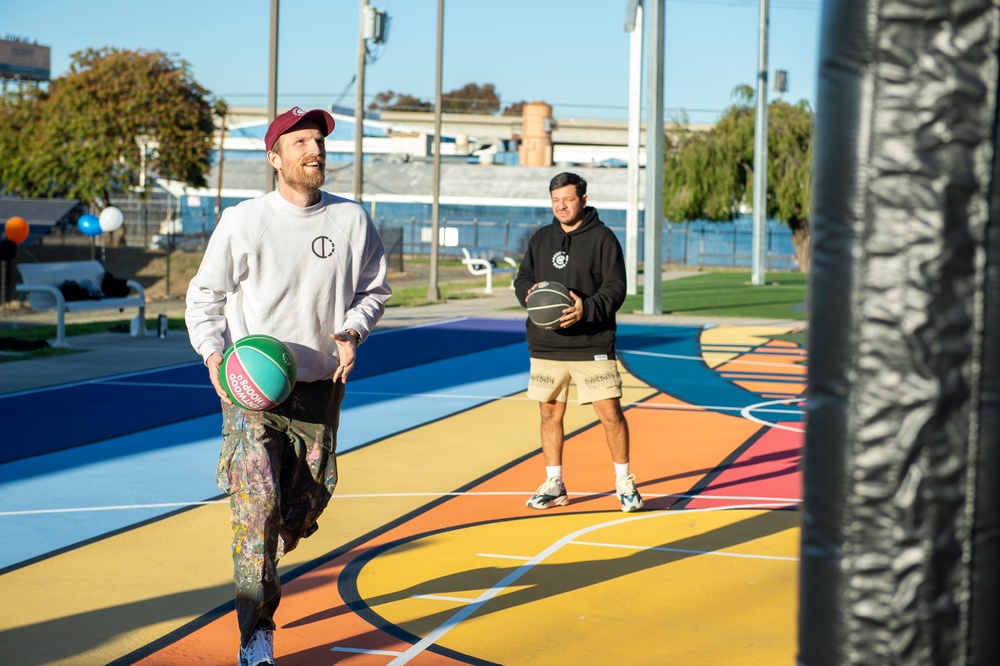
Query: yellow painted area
99	602
736	336
606	596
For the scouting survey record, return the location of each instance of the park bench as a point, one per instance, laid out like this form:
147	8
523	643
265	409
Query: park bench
48	283
483	261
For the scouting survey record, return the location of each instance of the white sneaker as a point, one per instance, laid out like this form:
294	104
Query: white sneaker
260	650
549	494
628	495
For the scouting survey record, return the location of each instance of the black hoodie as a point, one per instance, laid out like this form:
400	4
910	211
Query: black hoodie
589	262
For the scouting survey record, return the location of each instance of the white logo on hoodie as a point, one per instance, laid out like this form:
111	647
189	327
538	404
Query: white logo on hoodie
560	259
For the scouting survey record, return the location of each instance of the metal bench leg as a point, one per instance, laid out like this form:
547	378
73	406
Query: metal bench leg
61	328
489	281
139	330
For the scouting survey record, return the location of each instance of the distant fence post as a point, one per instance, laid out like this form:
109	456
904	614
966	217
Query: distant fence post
392	239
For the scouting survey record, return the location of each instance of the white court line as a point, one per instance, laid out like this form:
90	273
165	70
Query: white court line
441	597
122	507
436	634
503	557
747	413
639	405
684	551
370	496
98	380
680	357
718	408
388	653
159	385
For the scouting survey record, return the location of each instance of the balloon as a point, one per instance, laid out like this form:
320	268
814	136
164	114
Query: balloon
89	225
111	219
16	229
8	249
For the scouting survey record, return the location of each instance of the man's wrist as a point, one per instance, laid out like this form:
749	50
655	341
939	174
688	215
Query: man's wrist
353	335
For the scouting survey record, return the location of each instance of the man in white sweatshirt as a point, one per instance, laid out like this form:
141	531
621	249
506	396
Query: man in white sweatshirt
308	268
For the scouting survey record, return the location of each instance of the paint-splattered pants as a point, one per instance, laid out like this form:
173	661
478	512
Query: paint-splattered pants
280	469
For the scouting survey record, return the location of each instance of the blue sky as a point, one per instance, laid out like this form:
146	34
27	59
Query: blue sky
572	54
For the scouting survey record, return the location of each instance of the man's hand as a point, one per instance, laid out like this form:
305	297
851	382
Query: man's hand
346	352
214	362
573	313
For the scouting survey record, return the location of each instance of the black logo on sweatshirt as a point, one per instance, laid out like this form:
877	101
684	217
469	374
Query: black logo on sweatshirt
322	247
560	259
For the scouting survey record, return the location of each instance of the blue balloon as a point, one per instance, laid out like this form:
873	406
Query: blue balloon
90	225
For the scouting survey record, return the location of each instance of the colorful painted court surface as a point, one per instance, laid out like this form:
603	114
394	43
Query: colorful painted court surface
115	545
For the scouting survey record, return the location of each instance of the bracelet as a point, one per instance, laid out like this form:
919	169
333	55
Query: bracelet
353	335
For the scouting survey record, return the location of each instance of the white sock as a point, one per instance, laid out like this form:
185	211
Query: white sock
621	472
553	470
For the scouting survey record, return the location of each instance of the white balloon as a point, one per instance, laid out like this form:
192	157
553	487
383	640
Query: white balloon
111	218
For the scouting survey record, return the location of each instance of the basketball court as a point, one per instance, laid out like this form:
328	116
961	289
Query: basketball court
116	539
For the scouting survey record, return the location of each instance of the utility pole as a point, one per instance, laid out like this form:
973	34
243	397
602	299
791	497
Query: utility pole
634	26
652	271
221	110
272	88
433	292
760	153
359	104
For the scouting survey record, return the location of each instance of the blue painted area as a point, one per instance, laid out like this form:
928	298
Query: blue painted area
377	408
171	464
176	463
89	412
670	360
64	417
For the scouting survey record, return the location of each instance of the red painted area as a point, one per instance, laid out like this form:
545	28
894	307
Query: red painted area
768	471
241	386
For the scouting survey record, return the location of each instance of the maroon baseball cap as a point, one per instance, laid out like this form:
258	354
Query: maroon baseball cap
289	119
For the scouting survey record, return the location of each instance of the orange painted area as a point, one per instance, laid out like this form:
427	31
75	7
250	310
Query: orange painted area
767	389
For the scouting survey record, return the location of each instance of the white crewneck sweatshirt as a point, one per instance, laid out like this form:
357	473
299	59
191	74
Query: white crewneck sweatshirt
298	274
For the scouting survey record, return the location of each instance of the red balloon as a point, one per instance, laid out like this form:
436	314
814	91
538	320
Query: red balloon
16	229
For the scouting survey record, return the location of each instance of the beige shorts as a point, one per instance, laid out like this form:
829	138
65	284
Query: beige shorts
595	380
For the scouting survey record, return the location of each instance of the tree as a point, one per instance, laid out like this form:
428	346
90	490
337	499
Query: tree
709	175
392	101
20	115
471	98
515	109
86	134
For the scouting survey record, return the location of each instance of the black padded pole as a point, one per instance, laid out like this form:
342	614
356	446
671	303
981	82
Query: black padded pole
900	515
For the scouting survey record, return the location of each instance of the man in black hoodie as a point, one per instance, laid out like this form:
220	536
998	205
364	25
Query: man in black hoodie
583	255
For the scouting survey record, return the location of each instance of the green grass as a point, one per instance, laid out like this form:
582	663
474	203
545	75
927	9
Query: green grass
730	294
48	332
416	296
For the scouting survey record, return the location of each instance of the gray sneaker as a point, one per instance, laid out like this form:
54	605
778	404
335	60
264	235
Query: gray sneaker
628	495
549	494
260	650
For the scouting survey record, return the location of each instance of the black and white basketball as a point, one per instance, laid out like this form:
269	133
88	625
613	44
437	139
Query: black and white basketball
546	304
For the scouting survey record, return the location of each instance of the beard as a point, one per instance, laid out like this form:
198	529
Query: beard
296	177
